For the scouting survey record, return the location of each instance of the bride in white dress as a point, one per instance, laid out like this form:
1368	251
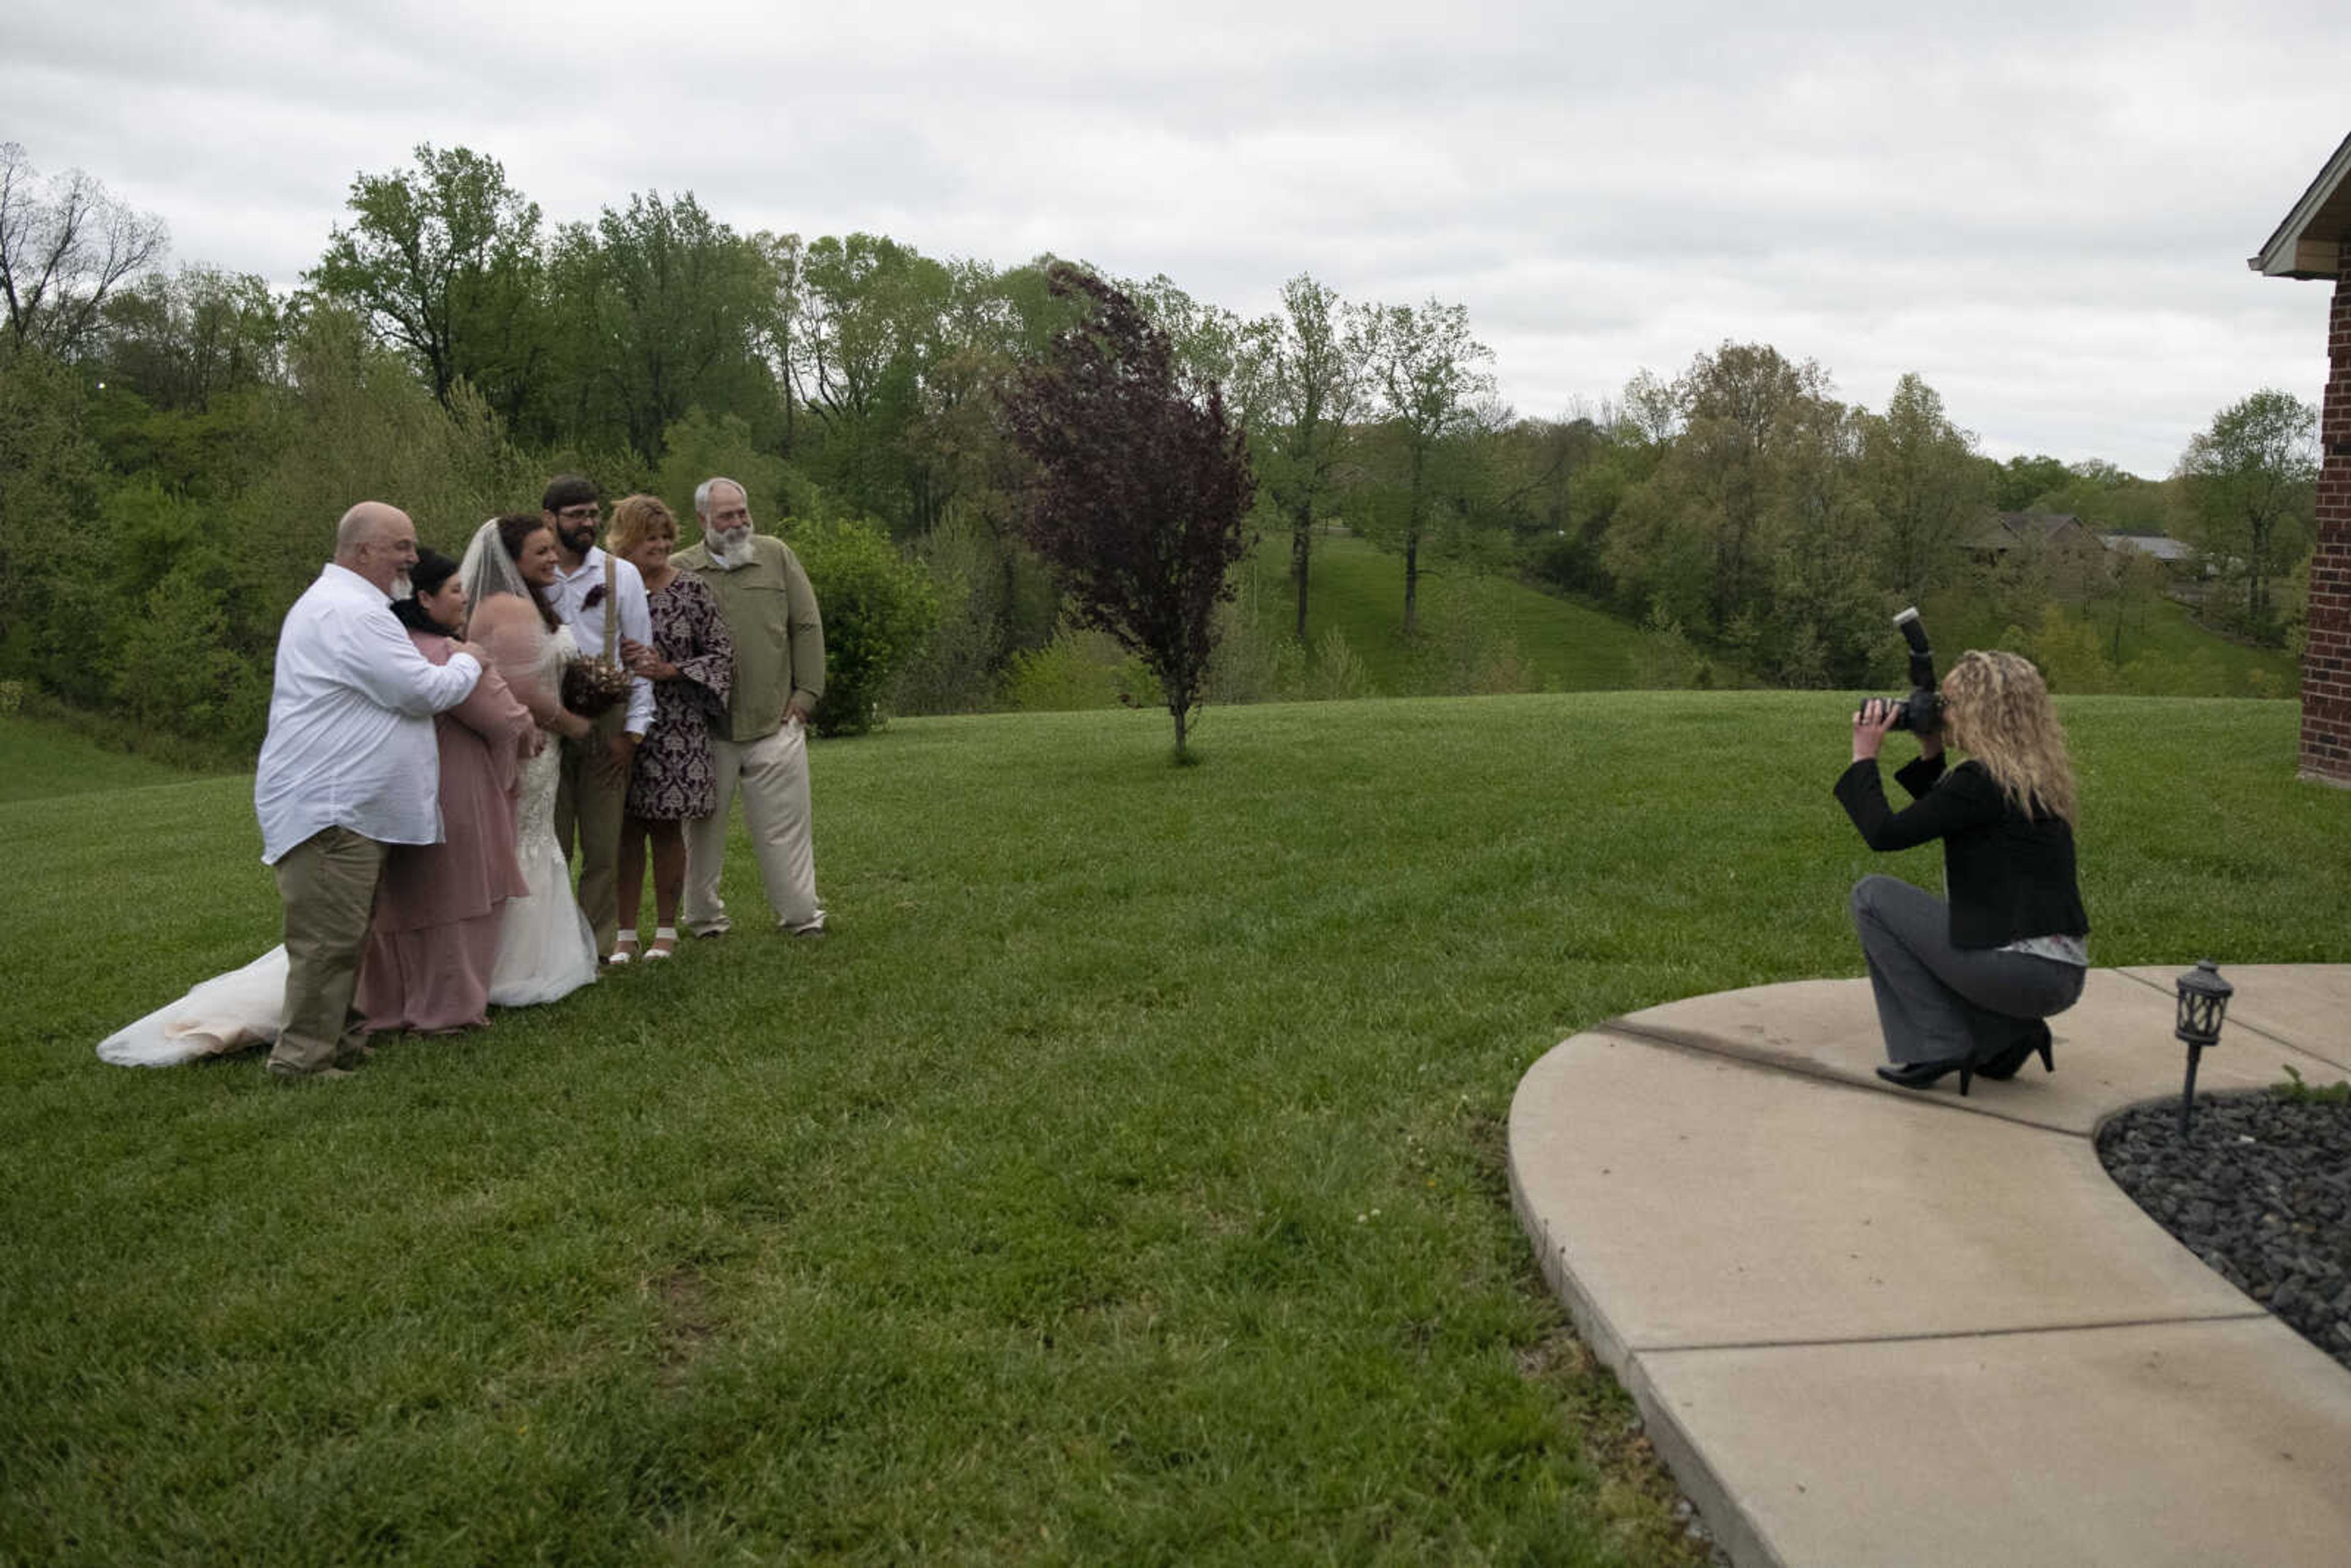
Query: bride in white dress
547	949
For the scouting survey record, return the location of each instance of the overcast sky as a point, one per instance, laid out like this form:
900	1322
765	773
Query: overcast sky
2044	210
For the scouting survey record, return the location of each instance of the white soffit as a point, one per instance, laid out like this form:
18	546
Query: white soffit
2311	242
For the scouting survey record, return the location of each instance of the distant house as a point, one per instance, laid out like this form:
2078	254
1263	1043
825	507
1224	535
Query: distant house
2171	552
2177	557
2054	543
2004	532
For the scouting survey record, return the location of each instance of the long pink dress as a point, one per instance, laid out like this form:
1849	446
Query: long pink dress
432	944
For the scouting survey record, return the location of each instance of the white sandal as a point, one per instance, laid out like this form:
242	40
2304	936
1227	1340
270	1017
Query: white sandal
624	949
665	934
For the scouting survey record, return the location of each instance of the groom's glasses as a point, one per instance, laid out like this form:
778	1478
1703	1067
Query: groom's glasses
584	514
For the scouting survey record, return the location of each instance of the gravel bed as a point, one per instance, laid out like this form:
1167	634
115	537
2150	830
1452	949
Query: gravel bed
2260	1191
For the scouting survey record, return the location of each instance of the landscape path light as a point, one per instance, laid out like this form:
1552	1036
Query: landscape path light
2203	1001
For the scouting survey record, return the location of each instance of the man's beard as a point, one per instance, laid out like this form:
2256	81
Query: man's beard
579	540
731	547
402	588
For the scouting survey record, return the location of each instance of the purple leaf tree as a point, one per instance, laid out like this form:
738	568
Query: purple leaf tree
1137	492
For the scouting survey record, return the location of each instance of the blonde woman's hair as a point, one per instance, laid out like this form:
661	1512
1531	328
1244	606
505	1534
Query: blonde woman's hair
636	519
1996	709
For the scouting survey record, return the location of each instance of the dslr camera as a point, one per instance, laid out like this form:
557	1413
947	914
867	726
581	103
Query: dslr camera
1922	711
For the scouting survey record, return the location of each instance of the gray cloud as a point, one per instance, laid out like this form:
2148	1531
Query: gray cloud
2044	209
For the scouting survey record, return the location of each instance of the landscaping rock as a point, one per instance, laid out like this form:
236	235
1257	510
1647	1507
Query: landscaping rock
2260	1191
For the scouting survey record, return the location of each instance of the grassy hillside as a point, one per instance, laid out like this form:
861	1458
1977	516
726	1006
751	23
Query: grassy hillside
45	762
1122	1181
2161	651
1359	588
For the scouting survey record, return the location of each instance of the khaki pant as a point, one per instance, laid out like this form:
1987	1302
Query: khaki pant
773	773
588	807
328	884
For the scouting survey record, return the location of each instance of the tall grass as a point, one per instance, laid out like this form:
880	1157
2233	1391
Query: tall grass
1120	1182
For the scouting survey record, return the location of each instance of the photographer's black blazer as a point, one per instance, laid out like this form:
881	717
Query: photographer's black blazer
2009	876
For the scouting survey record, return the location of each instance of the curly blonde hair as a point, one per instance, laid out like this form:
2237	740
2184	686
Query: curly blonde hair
636	519
1996	709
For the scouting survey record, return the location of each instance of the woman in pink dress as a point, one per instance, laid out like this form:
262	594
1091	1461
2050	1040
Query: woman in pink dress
432	944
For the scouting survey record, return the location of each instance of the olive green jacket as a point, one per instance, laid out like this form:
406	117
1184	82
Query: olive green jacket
771	613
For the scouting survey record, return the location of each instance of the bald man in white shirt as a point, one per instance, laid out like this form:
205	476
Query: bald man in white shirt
351	764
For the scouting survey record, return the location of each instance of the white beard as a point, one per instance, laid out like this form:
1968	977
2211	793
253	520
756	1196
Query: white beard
402	588
729	550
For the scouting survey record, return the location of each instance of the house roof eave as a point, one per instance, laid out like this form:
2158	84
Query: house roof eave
2311	242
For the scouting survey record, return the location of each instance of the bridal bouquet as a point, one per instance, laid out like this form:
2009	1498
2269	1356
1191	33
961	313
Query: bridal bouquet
594	685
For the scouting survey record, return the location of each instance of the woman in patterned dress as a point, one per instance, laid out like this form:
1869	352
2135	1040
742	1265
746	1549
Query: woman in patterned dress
690	665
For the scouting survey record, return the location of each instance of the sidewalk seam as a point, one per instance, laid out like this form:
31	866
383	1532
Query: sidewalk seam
2255	1312
1797	1067
2274	1039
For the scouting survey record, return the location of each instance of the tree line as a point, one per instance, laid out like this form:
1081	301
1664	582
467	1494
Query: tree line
171	438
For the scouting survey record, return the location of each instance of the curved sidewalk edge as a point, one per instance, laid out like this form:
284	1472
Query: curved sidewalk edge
1868	1325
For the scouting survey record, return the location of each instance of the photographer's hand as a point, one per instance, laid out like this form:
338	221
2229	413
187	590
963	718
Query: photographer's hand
1869	727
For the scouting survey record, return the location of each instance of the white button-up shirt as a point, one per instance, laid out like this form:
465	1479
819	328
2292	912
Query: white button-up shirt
569	596
350	742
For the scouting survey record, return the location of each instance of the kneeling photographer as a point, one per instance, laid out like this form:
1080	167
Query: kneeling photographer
1965	986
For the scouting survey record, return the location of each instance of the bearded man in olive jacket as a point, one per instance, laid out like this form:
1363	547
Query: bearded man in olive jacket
762	743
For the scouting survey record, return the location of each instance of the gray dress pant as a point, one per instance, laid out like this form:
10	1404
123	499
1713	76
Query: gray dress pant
1937	1002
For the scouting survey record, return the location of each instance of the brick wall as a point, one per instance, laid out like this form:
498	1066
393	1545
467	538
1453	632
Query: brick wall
2327	663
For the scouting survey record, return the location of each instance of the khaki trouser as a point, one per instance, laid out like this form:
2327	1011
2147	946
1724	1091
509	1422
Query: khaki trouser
328	884
587	806
773	773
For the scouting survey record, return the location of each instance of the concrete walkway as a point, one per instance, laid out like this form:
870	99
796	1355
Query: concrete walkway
1870	1325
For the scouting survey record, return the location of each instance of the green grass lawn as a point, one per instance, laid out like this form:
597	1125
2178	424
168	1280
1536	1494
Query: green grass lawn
1358	588
1121	1182
44	760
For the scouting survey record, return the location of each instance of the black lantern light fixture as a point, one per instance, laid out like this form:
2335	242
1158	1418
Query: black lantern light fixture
2203	1002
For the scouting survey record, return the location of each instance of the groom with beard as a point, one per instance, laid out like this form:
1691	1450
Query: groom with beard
594	785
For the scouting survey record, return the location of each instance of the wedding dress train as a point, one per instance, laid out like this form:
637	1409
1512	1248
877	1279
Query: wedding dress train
547	949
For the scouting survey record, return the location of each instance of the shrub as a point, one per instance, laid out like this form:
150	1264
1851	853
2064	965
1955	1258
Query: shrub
1252	665
1078	669
1338	673
1469	644
2297	1092
172	668
1668	660
993	597
878	609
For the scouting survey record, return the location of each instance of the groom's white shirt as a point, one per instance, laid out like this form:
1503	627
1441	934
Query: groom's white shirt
350	740
571	596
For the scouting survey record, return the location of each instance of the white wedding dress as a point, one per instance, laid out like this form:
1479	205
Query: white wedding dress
227	1012
545	948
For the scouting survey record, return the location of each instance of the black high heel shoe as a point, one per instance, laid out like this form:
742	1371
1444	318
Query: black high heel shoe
1927	1074
2006	1064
